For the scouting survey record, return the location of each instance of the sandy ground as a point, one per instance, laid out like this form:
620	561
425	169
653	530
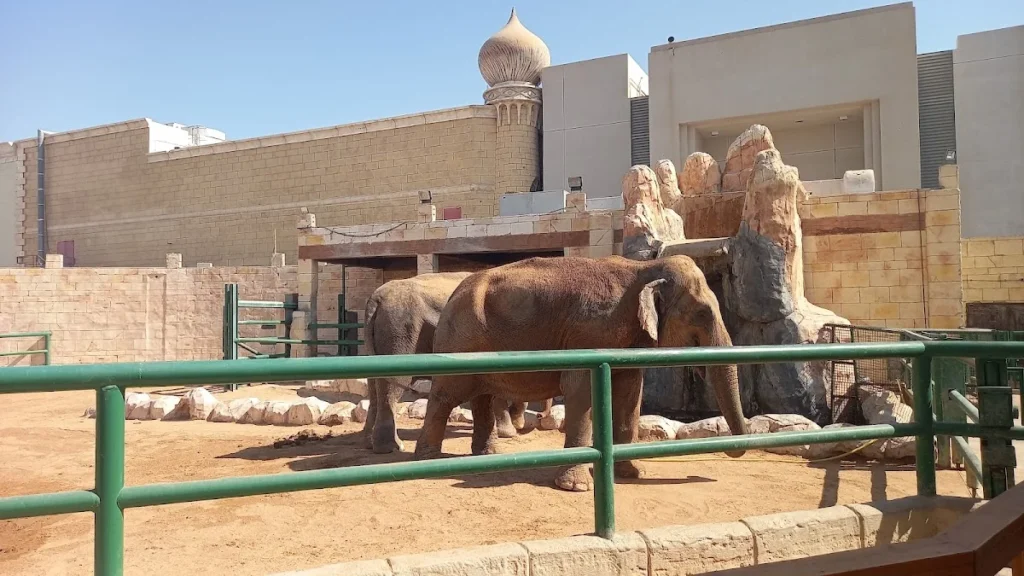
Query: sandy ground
47	445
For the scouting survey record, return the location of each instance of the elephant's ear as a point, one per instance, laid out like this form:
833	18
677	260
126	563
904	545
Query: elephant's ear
647	311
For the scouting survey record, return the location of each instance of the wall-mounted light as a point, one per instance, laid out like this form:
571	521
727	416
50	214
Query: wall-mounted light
714	132
799	121
575	183
950	155
843	118
425	197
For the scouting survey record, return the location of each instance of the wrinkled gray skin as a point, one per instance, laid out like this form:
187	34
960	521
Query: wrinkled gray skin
401	316
575	303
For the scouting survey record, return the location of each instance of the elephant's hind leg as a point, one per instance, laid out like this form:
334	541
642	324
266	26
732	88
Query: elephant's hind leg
385	431
502	416
517	414
484	435
446	393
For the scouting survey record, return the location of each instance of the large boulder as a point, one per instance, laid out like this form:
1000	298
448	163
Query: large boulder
165	408
653	427
200	403
136	406
418	409
461	415
881	406
276	413
337	414
700	175
232	411
361	411
306	412
254	413
554	419
706	428
668	183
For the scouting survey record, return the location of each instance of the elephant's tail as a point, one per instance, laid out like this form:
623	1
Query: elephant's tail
368	317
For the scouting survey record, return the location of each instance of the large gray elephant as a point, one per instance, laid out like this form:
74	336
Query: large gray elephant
574	303
401	316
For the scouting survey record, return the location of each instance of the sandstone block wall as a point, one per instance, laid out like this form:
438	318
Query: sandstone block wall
993	269
222	203
149	314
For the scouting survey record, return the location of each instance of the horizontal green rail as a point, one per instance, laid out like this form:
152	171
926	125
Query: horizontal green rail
961	402
111	497
261	322
44	351
267	304
341	325
971	460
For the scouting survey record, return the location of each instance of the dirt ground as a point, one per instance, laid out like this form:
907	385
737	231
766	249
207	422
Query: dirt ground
47	445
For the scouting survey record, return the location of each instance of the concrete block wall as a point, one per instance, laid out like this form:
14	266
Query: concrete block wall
684	550
101	315
224	203
993	269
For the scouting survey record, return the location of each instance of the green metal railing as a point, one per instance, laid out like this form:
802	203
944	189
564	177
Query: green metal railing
44	351
347	326
110	497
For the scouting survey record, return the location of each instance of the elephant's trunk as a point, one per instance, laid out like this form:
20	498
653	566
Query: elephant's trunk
725	379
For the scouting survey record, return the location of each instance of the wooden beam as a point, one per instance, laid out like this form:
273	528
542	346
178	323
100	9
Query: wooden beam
393	248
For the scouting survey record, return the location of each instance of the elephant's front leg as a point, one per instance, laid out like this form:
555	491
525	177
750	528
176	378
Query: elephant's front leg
626	391
446	393
501	415
484	437
385	430
576	389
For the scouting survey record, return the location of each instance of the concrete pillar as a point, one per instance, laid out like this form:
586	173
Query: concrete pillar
949	177
517	146
309	282
426	213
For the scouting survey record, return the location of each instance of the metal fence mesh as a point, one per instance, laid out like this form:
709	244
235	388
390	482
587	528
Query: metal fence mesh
848	376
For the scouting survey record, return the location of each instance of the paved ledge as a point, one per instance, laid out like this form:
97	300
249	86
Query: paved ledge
683	550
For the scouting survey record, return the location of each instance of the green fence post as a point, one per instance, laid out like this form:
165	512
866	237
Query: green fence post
291	304
923	418
604	469
46	344
229	336
108	551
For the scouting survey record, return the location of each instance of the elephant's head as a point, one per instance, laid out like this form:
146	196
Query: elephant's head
678	309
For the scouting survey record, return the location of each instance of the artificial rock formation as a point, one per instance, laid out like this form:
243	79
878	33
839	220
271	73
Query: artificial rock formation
739	159
647	223
700	175
757	276
668	183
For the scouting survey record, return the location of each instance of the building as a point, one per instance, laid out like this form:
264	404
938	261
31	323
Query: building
841	92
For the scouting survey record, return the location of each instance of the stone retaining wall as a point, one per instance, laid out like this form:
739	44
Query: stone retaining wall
683	550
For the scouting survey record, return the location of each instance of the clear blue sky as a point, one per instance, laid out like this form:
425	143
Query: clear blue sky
256	67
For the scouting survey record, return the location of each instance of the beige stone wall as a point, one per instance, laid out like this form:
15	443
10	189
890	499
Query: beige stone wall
517	152
129	314
10	205
898	278
222	203
993	269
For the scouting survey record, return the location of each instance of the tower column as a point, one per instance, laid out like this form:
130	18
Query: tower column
517	147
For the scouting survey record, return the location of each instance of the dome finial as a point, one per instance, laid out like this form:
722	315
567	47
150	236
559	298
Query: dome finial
513	54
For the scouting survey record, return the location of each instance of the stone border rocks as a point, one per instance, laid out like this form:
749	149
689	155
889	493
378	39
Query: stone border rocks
683	550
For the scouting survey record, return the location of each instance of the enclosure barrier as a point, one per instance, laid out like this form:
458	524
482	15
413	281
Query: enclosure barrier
45	350
108	499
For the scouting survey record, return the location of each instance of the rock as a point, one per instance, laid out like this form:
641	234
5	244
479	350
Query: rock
357	386
164	408
740	158
276	413
668	183
700	175
136	406
418	409
900	448
254	413
232	411
461	415
305	412
90	413
200	403
653	427
337	414
790	423
421	386
706	428
881	406
833	448
647	222
402	408
554	420
361	411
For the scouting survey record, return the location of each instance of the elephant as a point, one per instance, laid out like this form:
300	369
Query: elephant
567	303
400	319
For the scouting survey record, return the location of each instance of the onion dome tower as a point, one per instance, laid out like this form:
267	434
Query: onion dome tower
511	62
